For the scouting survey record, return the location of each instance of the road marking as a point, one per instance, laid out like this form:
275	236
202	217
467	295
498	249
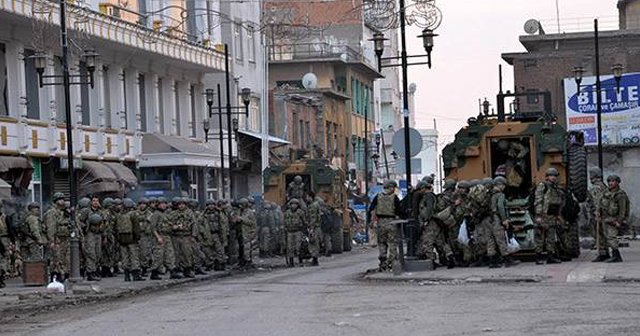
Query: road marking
588	272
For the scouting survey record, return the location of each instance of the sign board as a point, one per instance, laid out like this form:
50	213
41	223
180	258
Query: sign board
620	109
36	176
415	142
402	184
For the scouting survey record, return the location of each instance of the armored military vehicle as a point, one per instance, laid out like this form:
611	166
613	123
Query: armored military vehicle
324	180
520	146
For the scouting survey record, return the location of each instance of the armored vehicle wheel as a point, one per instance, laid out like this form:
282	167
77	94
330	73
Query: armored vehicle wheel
577	172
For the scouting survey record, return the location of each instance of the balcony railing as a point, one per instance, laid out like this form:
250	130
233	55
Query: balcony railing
308	51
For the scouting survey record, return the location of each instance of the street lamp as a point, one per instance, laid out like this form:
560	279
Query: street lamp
40	62
578	72
427	41
246	99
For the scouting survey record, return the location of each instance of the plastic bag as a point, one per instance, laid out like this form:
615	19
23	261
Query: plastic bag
512	244
55	286
463	235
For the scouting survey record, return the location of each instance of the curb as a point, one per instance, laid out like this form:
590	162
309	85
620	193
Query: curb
467	280
620	280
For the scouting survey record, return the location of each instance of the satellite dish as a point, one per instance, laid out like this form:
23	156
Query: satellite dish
344	57
415	142
309	80
532	26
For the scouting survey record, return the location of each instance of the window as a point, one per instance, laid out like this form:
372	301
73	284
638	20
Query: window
60	102
4	104
251	45
160	106
32	86
192	29
124	94
237	41
143	101
192	94
301	132
329	138
142	9
84	95
307	129
107	98
176	97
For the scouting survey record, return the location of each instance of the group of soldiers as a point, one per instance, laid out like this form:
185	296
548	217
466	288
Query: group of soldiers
482	206
153	236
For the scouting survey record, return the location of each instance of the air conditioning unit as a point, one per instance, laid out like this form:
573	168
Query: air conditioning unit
109	9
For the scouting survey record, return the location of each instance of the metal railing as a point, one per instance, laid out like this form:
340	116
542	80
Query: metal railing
321	50
582	24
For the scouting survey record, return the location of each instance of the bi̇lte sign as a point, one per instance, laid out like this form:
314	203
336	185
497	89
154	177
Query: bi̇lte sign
620	109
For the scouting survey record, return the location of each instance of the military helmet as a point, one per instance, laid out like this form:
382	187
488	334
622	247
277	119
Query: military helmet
94	218
243	201
153	199
551	172
57	196
474	182
107	202
176	200
128	203
298	178
33	205
251	199
390	184
294	201
420	185
210	201
614	177
162	200
449	184
84	202
486	181
595	172
117	201
464	185
500	180
428	179
143	200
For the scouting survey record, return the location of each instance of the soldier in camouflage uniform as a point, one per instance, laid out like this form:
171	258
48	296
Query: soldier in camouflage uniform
613	211
246	218
459	214
597	190
224	215
549	200
384	209
92	227
296	189
110	248
162	249
128	235
57	225
294	218
82	208
32	248
479	219
279	230
447	199
209	234
313	231
142	217
496	241
266	224
183	234
432	231
4	246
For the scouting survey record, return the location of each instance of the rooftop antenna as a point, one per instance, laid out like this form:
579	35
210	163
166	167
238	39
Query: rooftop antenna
558	15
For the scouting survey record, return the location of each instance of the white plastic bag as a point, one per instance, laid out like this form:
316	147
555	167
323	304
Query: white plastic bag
512	244
463	235
55	286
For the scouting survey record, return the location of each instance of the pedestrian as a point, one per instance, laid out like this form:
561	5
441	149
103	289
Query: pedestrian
58	227
183	236
596	191
163	254
549	200
32	247
384	209
294	218
128	233
613	211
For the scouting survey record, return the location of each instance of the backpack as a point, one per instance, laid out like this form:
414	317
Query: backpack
479	201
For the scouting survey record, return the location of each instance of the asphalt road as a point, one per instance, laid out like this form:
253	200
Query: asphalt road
331	300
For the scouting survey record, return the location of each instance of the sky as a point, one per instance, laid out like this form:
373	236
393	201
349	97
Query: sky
473	35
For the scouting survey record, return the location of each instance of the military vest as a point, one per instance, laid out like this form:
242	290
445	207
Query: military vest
610	206
386	205
294	220
553	199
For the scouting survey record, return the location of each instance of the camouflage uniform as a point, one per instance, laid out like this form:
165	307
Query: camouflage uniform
128	234
548	204
294	218
32	246
614	211
162	248
4	248
496	233
433	232
266	225
143	218
57	224
314	219
110	247
597	190
92	239
386	208
296	189
183	233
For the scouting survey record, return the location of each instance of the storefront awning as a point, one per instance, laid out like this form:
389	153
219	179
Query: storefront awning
271	138
169	151
14	162
123	173
96	177
5	190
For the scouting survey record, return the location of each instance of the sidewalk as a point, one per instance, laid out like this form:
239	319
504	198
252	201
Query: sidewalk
577	270
15	299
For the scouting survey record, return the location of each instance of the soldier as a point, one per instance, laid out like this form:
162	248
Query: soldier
313	231
294	218
296	189
446	200
266	223
613	212
145	244
433	230
279	230
91	219
386	208
549	200
498	226
4	246
57	224
210	237
223	214
110	247
128	234
477	211
183	233
459	213
162	246
246	222
597	190
153	202
34	236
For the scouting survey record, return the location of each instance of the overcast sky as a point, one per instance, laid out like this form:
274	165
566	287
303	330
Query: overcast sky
473	35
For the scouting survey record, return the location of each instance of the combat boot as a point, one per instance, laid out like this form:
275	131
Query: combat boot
2	284
106	272
615	258
155	275
174	274
216	265
200	271
383	264
451	262
539	259
314	262
495	262
601	258
137	276
144	273
300	261
509	261
551	259
127	275
188	273
91	276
